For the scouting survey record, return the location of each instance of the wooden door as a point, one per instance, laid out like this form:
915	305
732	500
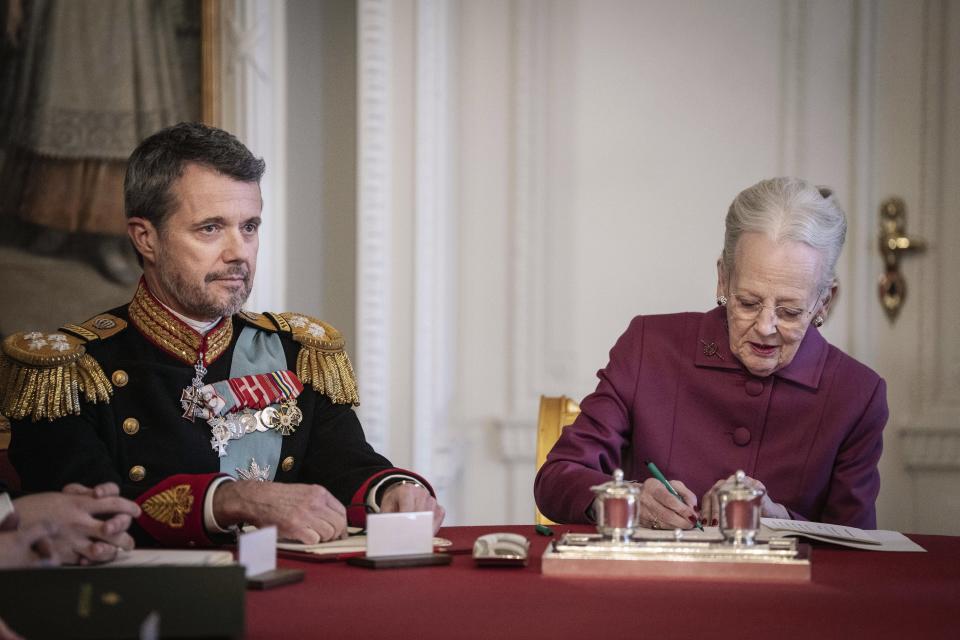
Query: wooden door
915	155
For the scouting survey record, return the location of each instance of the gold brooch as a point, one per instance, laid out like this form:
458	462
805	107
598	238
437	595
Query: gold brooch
711	350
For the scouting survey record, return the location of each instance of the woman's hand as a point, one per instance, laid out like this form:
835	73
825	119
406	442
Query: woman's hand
710	516
660	509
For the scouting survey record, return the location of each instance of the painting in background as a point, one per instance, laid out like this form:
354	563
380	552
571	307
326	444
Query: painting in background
81	83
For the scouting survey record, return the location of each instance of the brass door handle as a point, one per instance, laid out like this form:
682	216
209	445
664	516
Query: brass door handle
894	243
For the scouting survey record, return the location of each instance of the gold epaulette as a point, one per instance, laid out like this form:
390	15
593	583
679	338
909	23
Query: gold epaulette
322	361
260	321
97	328
43	374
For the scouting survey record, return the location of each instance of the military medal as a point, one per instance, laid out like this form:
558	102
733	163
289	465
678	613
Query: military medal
249	421
228	406
286	418
191	399
220	435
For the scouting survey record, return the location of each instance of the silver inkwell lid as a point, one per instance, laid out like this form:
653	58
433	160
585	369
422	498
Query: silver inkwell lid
617	507
740	507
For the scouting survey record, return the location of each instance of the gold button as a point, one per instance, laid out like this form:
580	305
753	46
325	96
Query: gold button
137	473
131	426
120	378
287	463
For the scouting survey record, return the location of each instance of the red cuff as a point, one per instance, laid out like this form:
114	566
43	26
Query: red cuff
173	510
357	511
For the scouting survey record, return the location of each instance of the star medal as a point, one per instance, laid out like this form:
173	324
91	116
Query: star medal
254	472
191	399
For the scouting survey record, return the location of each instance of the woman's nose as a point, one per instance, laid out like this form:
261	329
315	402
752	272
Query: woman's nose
767	321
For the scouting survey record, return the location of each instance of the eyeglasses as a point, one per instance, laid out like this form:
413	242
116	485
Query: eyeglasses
748	308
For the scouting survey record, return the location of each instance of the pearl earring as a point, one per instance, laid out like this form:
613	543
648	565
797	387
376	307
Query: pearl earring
721	301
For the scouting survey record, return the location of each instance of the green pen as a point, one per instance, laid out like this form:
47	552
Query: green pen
659	476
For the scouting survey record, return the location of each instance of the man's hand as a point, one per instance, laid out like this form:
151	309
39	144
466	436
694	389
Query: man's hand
307	513
405	497
26	546
82	537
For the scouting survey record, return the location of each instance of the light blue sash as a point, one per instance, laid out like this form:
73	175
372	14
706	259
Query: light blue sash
256	352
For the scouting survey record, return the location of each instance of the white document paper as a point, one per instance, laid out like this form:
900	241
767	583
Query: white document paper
399	534
353	544
872	540
167	557
257	550
823	530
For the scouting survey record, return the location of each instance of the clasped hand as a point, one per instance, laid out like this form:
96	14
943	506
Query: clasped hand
64	527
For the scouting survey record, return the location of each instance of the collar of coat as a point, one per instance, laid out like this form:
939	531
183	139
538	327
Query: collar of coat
713	351
170	334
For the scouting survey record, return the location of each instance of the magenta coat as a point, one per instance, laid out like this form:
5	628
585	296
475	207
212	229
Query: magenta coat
673	393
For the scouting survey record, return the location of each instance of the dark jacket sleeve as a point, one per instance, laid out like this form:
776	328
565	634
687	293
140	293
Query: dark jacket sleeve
49	454
339	457
855	482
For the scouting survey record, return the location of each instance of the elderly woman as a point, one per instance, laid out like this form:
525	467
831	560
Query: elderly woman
750	385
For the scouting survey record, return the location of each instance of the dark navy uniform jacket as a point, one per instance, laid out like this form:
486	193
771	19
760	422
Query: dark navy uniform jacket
140	439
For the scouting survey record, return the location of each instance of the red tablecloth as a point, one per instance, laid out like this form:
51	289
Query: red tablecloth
853	594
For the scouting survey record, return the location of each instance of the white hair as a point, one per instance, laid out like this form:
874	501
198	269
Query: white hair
788	209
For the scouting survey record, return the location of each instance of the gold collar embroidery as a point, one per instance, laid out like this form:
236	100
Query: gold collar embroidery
174	336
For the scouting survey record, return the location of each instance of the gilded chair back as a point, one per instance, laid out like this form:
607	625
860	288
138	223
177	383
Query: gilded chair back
556	412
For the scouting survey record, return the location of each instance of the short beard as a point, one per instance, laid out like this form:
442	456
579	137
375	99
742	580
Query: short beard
194	298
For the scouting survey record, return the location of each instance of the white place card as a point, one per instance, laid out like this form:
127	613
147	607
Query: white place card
399	534
257	551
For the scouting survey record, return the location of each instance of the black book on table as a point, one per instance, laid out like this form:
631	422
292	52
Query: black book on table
107	603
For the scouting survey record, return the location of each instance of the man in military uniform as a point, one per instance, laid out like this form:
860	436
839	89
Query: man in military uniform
207	416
